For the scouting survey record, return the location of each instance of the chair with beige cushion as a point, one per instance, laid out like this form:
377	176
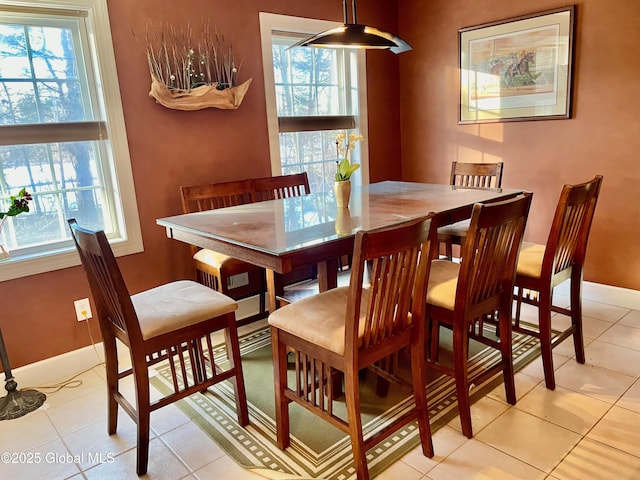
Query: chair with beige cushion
169	324
542	267
349	328
468	175
223	273
463	296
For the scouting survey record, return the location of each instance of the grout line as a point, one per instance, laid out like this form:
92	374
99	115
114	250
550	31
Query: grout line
174	453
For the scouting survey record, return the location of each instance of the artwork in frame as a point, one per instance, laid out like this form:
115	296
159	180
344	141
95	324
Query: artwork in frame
517	69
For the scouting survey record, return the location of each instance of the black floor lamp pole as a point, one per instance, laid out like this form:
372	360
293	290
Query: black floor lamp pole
17	402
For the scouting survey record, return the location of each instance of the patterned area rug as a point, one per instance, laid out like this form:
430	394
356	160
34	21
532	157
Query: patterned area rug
318	449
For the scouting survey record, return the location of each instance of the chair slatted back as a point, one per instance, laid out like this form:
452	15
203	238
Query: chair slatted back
489	256
399	269
567	242
209	196
476	175
282	186
114	308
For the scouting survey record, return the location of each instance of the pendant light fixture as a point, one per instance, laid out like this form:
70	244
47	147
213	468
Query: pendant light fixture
355	35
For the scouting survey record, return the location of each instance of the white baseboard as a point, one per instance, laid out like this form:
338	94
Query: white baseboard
598	292
53	369
63	366
68	364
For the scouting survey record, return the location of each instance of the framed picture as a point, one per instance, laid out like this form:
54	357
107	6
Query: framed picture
517	69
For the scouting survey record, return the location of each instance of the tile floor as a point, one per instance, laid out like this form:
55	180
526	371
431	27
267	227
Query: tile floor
588	428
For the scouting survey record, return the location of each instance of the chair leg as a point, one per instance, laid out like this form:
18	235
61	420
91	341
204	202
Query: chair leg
448	250
235	364
544	325
434	340
518	299
461	241
382	387
263	302
279	284
576	315
279	351
506	349
143	420
354	418
420	395
382	384
262	296
460	354
196	353
111	368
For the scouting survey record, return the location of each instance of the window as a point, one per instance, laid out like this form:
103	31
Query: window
62	134
312	94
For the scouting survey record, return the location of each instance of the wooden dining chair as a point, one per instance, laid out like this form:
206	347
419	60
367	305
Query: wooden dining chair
462	296
169	324
542	267
223	273
468	175
281	186
349	328
285	186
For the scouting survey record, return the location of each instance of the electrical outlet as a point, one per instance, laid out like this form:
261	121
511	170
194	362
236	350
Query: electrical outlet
83	309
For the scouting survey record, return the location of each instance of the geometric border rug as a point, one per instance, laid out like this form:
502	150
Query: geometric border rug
319	450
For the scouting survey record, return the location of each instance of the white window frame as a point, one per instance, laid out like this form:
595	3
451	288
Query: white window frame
106	79
271	22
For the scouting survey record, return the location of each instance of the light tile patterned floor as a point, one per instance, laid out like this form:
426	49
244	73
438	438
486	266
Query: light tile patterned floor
588	428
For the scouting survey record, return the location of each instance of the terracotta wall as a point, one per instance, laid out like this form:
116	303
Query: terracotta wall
171	148
601	138
415	93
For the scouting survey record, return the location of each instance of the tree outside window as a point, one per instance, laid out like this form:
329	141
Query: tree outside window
54	137
316	98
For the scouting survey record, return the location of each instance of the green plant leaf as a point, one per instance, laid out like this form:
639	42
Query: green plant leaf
345	170
19	204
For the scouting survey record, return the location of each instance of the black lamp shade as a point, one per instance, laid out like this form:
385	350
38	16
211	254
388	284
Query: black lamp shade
355	35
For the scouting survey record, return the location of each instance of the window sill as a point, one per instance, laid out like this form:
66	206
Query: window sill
26	265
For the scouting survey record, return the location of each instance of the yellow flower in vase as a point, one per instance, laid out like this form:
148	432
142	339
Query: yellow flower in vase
344	147
344	170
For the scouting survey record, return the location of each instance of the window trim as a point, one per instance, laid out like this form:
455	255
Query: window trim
104	66
271	23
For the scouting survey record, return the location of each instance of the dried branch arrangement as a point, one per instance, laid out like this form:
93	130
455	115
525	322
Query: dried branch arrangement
188	68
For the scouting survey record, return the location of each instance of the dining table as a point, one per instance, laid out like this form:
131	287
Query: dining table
283	234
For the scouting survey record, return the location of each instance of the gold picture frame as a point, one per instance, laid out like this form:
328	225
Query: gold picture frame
517	69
